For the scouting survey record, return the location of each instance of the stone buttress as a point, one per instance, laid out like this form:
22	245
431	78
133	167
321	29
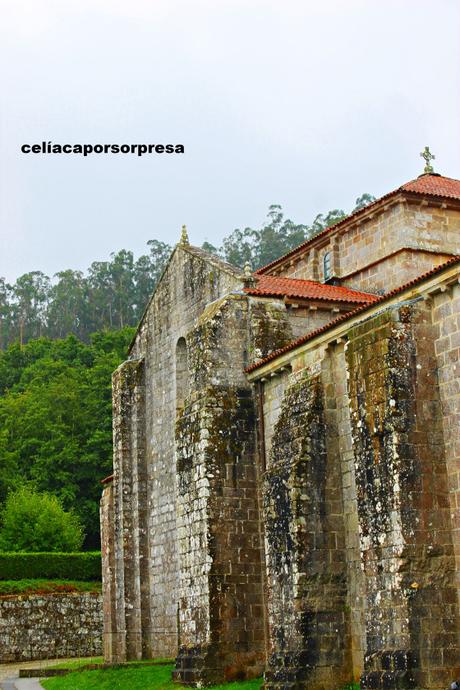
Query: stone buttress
138	509
306	571
126	603
411	608
221	603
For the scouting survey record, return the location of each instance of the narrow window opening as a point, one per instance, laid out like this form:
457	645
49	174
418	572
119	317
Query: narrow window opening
327	270
182	375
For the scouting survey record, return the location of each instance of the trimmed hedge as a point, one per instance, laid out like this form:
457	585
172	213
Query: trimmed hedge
62	566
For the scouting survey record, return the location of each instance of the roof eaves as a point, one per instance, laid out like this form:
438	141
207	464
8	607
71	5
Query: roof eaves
295	295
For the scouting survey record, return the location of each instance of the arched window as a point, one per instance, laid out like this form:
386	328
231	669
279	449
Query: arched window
182	377
327	270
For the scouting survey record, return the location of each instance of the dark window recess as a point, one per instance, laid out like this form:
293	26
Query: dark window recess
327	270
182	379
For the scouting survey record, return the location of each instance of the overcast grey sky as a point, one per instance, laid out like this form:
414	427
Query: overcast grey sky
306	104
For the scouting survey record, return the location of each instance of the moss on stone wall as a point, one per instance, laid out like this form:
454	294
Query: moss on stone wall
307	594
270	328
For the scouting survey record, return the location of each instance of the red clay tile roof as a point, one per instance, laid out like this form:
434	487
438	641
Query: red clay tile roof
436	185
271	286
344	317
425	185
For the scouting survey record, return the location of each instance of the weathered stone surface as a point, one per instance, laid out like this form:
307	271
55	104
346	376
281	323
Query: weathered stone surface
304	519
50	626
305	547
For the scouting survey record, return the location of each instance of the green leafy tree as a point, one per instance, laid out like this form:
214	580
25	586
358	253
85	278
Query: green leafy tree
34	521
276	237
56	419
208	247
121	269
30	294
5	313
363	201
67	305
159	255
144	284
240	247
100	296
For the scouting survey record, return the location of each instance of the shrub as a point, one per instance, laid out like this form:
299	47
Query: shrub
34	521
63	566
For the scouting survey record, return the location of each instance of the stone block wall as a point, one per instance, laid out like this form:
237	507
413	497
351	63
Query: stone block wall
36	627
123	520
360	502
397	269
445	330
404	518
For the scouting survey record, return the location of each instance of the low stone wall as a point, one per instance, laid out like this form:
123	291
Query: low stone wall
50	626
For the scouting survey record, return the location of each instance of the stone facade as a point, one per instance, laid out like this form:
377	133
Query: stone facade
50	626
290	506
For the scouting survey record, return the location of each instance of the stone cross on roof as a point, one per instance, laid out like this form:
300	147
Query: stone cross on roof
428	156
184	235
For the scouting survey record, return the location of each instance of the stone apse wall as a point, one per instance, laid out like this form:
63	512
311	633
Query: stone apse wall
360	503
49	627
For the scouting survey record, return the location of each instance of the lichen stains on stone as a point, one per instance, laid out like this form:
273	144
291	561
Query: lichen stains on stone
380	358
270	328
302	583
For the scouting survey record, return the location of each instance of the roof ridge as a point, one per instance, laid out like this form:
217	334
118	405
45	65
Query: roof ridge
210	256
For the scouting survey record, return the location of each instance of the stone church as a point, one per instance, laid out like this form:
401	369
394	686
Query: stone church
285	496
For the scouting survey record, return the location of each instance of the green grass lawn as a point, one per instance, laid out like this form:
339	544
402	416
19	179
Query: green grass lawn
134	678
46	586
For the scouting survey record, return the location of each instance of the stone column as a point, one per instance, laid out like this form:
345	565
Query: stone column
341	444
313	272
108	573
335	256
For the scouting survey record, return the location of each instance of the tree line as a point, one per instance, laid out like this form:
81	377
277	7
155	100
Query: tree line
113	294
